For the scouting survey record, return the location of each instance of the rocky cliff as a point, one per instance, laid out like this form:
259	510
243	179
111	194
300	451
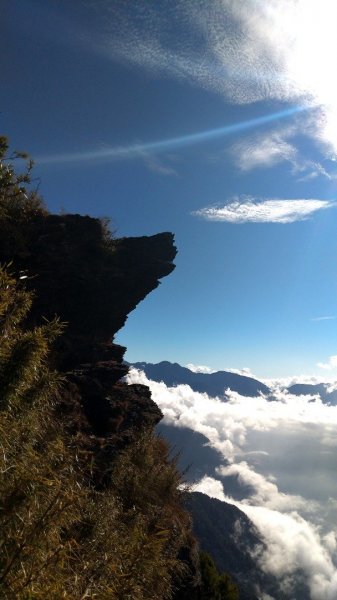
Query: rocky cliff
91	281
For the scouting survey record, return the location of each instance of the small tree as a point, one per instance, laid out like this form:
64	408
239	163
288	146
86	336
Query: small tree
215	586
19	201
16	197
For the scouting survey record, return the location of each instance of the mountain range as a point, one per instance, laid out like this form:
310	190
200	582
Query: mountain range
215	384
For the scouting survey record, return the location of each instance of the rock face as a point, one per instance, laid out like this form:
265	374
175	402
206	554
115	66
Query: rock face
91	281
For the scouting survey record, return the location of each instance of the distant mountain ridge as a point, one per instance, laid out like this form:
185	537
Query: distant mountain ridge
306	389
213	384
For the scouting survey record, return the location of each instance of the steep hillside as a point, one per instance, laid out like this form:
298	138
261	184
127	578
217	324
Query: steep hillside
195	457
236	546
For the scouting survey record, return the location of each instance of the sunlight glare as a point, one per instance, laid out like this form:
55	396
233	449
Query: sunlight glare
310	57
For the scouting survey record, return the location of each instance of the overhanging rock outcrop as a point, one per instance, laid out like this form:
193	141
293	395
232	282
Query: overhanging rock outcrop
91	281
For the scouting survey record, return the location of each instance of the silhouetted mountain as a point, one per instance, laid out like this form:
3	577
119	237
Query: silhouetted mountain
319	388
214	384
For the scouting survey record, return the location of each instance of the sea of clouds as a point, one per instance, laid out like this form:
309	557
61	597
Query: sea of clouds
282	451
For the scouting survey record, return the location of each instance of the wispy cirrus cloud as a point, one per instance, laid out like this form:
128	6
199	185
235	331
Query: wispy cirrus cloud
246	51
230	56
252	210
160	167
263	151
310	169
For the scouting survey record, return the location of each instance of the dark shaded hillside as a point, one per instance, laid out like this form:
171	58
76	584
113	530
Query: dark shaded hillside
196	458
230	537
235	544
213	384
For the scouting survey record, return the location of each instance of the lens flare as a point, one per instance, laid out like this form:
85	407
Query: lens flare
139	149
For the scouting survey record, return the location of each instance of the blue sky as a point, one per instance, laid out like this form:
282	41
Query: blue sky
214	120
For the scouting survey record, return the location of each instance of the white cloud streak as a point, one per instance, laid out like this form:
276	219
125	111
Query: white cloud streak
199	368
265	490
327	318
252	210
147	150
263	151
246	51
205	369
272	447
284	382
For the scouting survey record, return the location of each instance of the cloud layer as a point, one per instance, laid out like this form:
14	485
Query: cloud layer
282	454
248	209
